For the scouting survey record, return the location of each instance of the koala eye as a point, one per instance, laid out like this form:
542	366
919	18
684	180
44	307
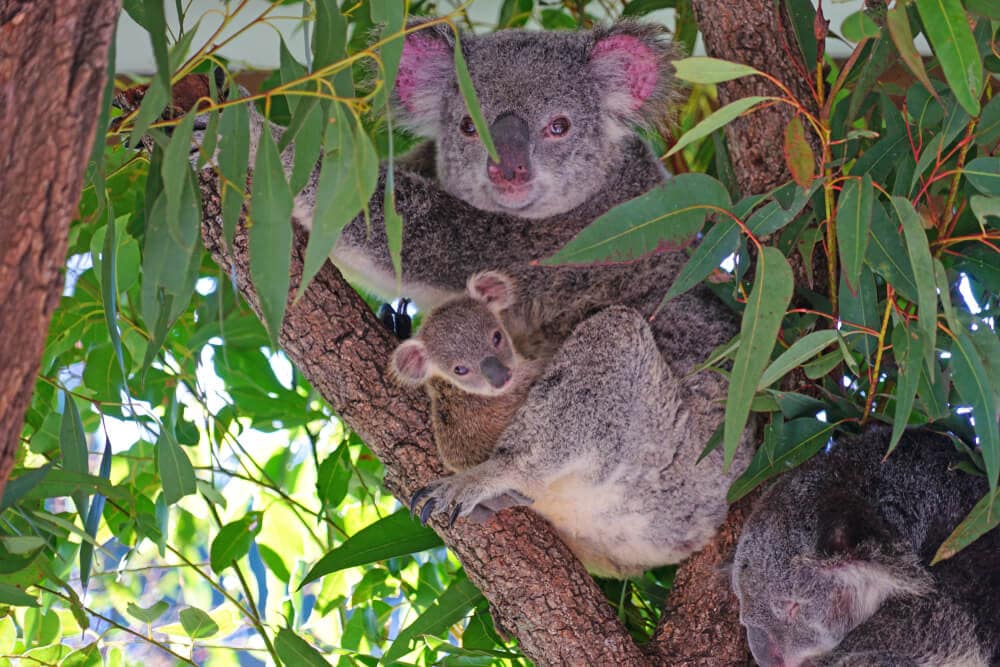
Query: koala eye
461	370
467	127
497	338
557	127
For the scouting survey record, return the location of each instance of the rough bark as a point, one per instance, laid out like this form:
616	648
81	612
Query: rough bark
53	66
539	591
700	624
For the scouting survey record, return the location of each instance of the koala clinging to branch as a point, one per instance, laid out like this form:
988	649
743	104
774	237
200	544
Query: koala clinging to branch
832	568
604	449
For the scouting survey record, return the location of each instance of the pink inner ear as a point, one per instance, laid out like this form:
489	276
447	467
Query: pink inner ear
416	66
411	361
491	289
637	60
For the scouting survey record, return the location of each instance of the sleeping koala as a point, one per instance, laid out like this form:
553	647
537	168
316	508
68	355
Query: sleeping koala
832	567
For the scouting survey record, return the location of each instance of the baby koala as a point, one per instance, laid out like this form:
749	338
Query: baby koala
468	358
832	567
602	446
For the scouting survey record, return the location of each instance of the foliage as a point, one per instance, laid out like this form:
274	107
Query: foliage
181	487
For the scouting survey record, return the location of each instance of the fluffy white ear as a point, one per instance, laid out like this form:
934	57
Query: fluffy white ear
409	363
426	70
633	62
493	288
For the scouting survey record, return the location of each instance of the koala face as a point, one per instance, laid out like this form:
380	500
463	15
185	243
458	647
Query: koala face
464	342
559	107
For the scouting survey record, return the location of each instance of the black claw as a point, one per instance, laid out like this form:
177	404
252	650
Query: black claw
387	316
426	511
454	515
417	497
404	325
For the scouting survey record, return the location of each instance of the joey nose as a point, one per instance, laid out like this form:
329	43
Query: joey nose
511	138
496	373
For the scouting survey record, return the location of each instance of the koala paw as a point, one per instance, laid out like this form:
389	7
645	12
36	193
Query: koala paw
461	496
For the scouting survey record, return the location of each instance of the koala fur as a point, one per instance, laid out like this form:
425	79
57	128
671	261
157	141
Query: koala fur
561	107
605	447
832	567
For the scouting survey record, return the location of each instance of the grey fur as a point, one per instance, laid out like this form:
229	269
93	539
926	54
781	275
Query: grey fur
606	446
832	567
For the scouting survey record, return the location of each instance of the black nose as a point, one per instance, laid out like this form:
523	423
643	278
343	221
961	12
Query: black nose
511	137
495	372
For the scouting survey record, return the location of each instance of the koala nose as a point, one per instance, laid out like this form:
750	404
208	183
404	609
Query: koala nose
511	138
497	374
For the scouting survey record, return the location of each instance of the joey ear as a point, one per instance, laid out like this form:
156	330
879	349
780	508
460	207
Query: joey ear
426	70
632	61
493	288
410	363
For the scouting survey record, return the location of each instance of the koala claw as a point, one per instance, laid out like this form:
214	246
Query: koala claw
454	515
417	497
427	510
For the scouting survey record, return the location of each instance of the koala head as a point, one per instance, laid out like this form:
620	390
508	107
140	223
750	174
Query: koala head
464	342
807	572
560	107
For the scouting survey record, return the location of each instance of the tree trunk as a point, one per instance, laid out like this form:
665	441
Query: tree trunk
53	67
538	590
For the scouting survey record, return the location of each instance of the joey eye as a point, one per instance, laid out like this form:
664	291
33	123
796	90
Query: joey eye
461	370
497	338
467	127
558	127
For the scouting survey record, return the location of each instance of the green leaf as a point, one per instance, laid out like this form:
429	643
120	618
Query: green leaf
234	156
906	347
669	214
395	535
329	45
20	545
175	170
984	517
471	101
973	386
109	291
147	614
988	130
234	540
984	207
73	445
858	26
984	175
720	242
719	118
798	153
197	624
347	179
88	656
887	255
986	8
947	29
174	466
334	476
804	348
919	253
854	218
270	238
899	30
391	14
797	441
274	563
699	69
16	597
452	606
766	306
862	309
295	651
94	518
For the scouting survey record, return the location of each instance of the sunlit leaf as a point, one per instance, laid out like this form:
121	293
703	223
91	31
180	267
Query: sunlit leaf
147	614
717	119
234	156
797	442
233	541
197	624
174	466
801	350
293	650
699	69
73	445
16	597
766	306
452	606
471	101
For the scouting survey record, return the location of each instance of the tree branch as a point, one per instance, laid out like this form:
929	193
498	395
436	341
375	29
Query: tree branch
53	67
538	589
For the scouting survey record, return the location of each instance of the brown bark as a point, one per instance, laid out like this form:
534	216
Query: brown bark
53	66
539	591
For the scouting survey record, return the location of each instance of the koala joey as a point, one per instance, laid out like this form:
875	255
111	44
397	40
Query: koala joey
832	567
467	360
594	433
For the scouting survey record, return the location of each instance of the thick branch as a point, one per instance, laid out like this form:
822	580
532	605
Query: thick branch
539	591
53	66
